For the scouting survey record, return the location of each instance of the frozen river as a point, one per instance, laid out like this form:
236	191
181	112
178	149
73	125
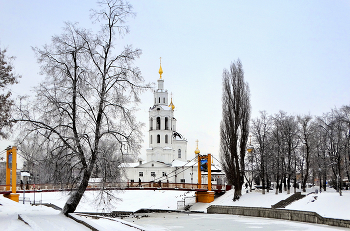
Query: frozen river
200	222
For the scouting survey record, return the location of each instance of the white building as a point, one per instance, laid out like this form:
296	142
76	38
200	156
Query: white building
167	152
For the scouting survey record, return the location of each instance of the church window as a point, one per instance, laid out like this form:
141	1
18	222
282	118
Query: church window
153	174
159	100
163	174
163	100
182	181
158	123
166	123
140	174
166	139
132	181
151	124
158	139
179	153
150	140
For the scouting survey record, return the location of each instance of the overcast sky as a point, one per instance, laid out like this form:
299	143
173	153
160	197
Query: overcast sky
295	54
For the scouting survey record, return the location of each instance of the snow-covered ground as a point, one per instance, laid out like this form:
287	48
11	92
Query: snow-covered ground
327	204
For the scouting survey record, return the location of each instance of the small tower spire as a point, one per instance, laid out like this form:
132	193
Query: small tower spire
171	103
160	68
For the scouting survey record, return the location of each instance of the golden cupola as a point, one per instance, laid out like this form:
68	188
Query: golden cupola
171	103
197	150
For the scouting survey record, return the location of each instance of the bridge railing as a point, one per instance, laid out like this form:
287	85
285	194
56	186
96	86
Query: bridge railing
174	185
111	185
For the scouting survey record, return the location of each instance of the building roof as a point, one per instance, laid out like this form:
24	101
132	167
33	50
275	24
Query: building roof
129	165
180	163
163	107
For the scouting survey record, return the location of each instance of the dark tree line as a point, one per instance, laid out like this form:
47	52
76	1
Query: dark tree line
288	150
293	150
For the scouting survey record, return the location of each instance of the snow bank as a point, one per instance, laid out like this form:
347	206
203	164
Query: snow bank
327	204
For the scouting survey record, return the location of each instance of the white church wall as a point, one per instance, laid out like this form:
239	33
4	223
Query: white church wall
186	174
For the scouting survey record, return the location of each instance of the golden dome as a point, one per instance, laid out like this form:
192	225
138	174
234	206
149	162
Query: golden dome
250	149
171	104
197	150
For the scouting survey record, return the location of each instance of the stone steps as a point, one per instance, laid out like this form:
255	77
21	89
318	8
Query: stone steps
288	201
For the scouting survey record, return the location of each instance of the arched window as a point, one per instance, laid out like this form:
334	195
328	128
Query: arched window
166	123
150	141
166	139
159	100
158	123
151	124
163	100
158	138
155	100
179	153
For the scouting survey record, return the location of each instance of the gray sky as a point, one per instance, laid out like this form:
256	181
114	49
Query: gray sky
295	54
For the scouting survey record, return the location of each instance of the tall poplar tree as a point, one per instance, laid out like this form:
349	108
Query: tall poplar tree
234	127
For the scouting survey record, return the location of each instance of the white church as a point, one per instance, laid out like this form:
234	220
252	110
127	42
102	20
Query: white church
167	153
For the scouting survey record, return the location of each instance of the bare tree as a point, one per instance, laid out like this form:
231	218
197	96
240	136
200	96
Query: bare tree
306	135
7	77
336	130
345	111
234	127
278	150
86	102
321	159
33	148
291	142
303	147
261	129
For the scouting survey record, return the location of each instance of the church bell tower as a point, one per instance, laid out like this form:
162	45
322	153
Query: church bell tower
165	144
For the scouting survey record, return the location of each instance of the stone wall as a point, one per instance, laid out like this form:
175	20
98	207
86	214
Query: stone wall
285	214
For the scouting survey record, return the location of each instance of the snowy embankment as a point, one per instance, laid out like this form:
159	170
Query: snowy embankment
37	217
252	199
44	218
326	204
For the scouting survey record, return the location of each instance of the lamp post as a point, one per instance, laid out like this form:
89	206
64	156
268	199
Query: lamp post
339	185
191	173
250	150
319	180
34	182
